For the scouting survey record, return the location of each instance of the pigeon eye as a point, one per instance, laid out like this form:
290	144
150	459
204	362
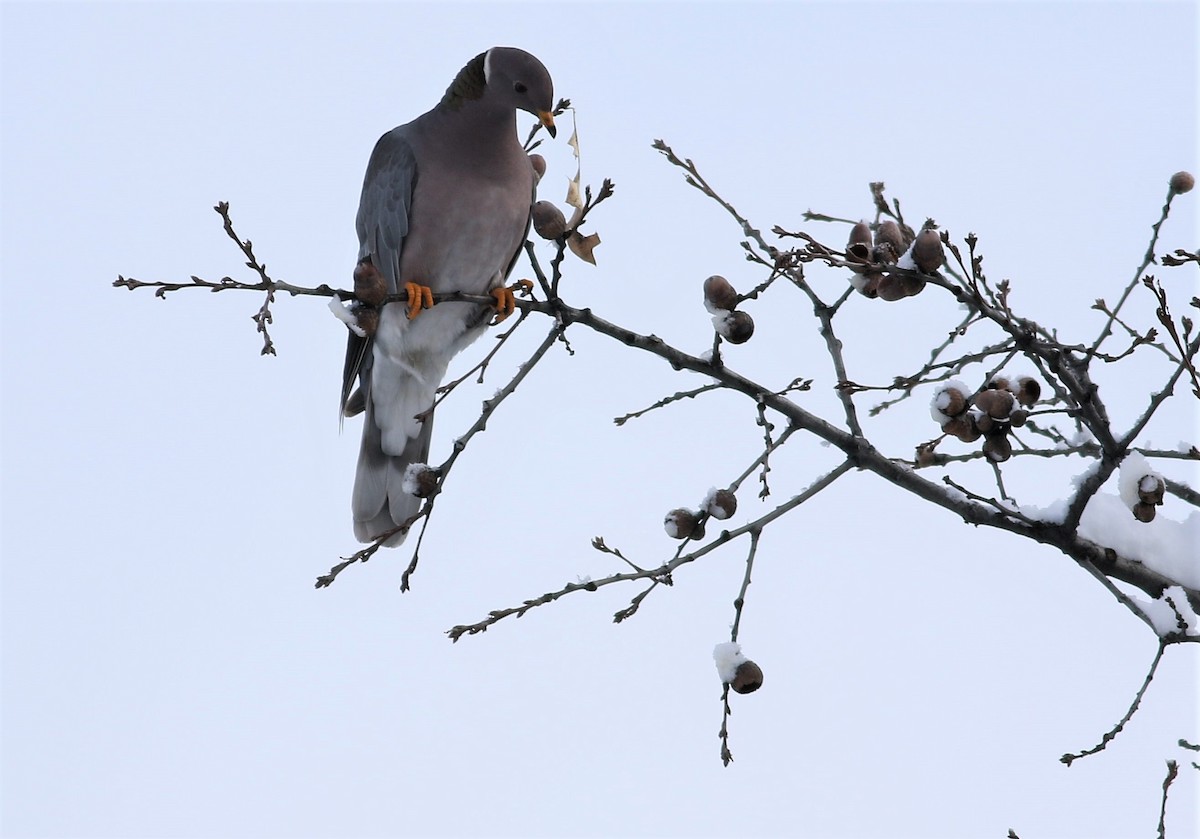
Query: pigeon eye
519	87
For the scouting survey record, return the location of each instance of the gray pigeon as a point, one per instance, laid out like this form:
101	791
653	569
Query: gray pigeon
446	205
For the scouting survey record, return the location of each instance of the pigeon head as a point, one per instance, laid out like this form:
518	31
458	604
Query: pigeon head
505	78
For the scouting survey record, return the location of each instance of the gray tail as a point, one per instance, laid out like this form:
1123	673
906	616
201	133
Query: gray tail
379	502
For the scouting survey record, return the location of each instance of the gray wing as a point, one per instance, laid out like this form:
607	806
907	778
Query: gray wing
382	224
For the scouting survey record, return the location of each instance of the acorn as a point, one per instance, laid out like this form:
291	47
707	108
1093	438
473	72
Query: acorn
747	678
888	235
682	523
1144	512
1151	489
548	220
996	403
369	285
539	167
997	448
984	422
949	401
1018	417
964	428
719	293
858	248
912	286
1182	182
927	251
420	480
870	285
367	319
735	327
997	383
892	288
721	504
1029	391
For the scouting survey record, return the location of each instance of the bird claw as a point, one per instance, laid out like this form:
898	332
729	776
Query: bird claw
419	297
506	302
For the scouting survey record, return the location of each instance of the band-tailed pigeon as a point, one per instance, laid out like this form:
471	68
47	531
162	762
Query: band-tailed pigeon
445	207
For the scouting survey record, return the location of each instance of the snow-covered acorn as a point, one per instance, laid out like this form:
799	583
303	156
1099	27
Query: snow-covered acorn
720	504
1029	391
996	403
950	400
419	480
369	285
682	523
1144	512
548	220
719	294
1151	489
964	428
1182	182
927	251
747	678
997	448
734	327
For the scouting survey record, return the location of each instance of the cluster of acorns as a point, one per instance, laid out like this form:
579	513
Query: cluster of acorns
991	414
721	299
892	245
682	523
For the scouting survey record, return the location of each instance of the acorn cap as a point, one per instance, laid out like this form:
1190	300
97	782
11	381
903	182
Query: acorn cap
548	220
927	251
858	248
369	285
719	293
747	678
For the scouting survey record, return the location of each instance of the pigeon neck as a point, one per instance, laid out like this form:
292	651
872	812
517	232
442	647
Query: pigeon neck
484	130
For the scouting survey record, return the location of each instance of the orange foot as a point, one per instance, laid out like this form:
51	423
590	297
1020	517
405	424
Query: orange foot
505	300
419	297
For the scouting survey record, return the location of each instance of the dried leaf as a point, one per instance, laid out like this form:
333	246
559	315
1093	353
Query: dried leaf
582	246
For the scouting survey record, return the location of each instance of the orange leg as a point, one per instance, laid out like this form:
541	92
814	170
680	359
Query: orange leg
505	299
419	297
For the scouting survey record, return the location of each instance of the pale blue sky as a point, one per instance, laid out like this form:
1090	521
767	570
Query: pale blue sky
169	496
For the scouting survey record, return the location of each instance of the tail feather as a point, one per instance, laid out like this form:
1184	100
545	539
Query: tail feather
379	502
